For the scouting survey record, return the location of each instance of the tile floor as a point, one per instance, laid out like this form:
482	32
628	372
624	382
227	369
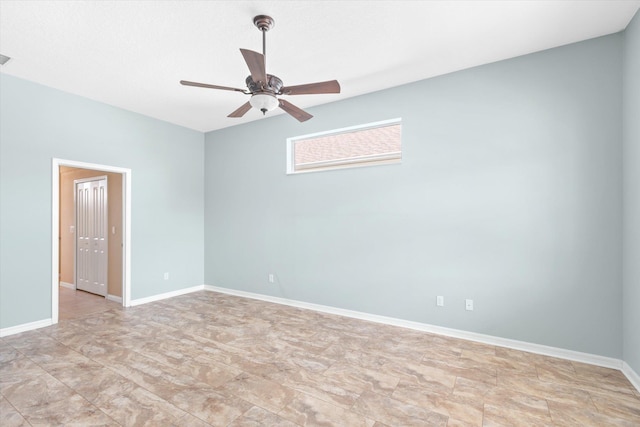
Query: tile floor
211	359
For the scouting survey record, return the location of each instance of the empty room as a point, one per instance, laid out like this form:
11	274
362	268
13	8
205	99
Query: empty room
320	213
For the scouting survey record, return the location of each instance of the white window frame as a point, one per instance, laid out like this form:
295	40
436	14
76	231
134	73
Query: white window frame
370	160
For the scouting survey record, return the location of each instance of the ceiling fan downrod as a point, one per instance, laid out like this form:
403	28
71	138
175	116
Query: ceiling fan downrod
266	100
264	24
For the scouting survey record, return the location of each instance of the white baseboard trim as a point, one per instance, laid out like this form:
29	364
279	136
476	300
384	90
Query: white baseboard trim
68	285
631	375
4	332
592	359
166	295
114	298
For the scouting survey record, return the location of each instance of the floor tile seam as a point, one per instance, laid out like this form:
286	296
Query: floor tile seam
191	333
320	396
401	403
196	382
165	364
187	413
544	395
336	362
624	390
71	349
15	409
447	414
546	402
139	353
600	408
383	397
288	351
99	394
281	415
137	384
538	394
614	416
581	384
250	403
553	418
622	383
30	378
230	423
591	401
313	396
55	338
613	395
529	414
353	367
101	410
19	351
67	386
159	398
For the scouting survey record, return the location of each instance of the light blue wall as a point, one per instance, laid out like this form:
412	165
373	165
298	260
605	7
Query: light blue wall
631	152
509	193
39	123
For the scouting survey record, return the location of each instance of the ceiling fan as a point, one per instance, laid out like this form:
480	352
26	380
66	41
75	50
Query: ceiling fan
264	87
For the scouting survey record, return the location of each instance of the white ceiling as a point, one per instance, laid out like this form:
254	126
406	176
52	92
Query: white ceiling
132	54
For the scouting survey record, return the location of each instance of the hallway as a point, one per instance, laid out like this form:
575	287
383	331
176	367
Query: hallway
75	304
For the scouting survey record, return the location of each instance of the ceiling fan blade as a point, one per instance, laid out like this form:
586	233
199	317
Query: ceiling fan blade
208	86
241	111
331	86
255	62
297	113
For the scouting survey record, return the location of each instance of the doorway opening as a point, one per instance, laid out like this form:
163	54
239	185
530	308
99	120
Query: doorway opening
62	225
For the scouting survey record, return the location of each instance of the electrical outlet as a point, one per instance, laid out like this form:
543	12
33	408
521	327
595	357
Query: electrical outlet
440	301
271	278
469	304
166	276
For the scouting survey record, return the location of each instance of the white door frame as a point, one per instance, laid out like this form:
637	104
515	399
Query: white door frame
55	227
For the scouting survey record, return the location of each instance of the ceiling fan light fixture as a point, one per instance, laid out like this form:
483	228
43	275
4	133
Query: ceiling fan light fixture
264	102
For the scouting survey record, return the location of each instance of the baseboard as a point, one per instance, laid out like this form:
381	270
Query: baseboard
166	295
25	327
592	359
68	285
114	298
576	356
48	322
631	375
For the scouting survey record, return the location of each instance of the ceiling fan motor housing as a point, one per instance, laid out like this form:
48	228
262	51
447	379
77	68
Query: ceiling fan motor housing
274	84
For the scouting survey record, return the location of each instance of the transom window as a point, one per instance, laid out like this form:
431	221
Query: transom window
364	145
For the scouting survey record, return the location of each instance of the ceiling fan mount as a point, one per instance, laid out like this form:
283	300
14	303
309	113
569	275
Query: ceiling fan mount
264	88
264	22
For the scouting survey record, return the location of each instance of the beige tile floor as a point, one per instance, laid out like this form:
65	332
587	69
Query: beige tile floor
213	359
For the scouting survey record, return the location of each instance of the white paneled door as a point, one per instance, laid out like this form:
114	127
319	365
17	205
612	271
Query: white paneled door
91	235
